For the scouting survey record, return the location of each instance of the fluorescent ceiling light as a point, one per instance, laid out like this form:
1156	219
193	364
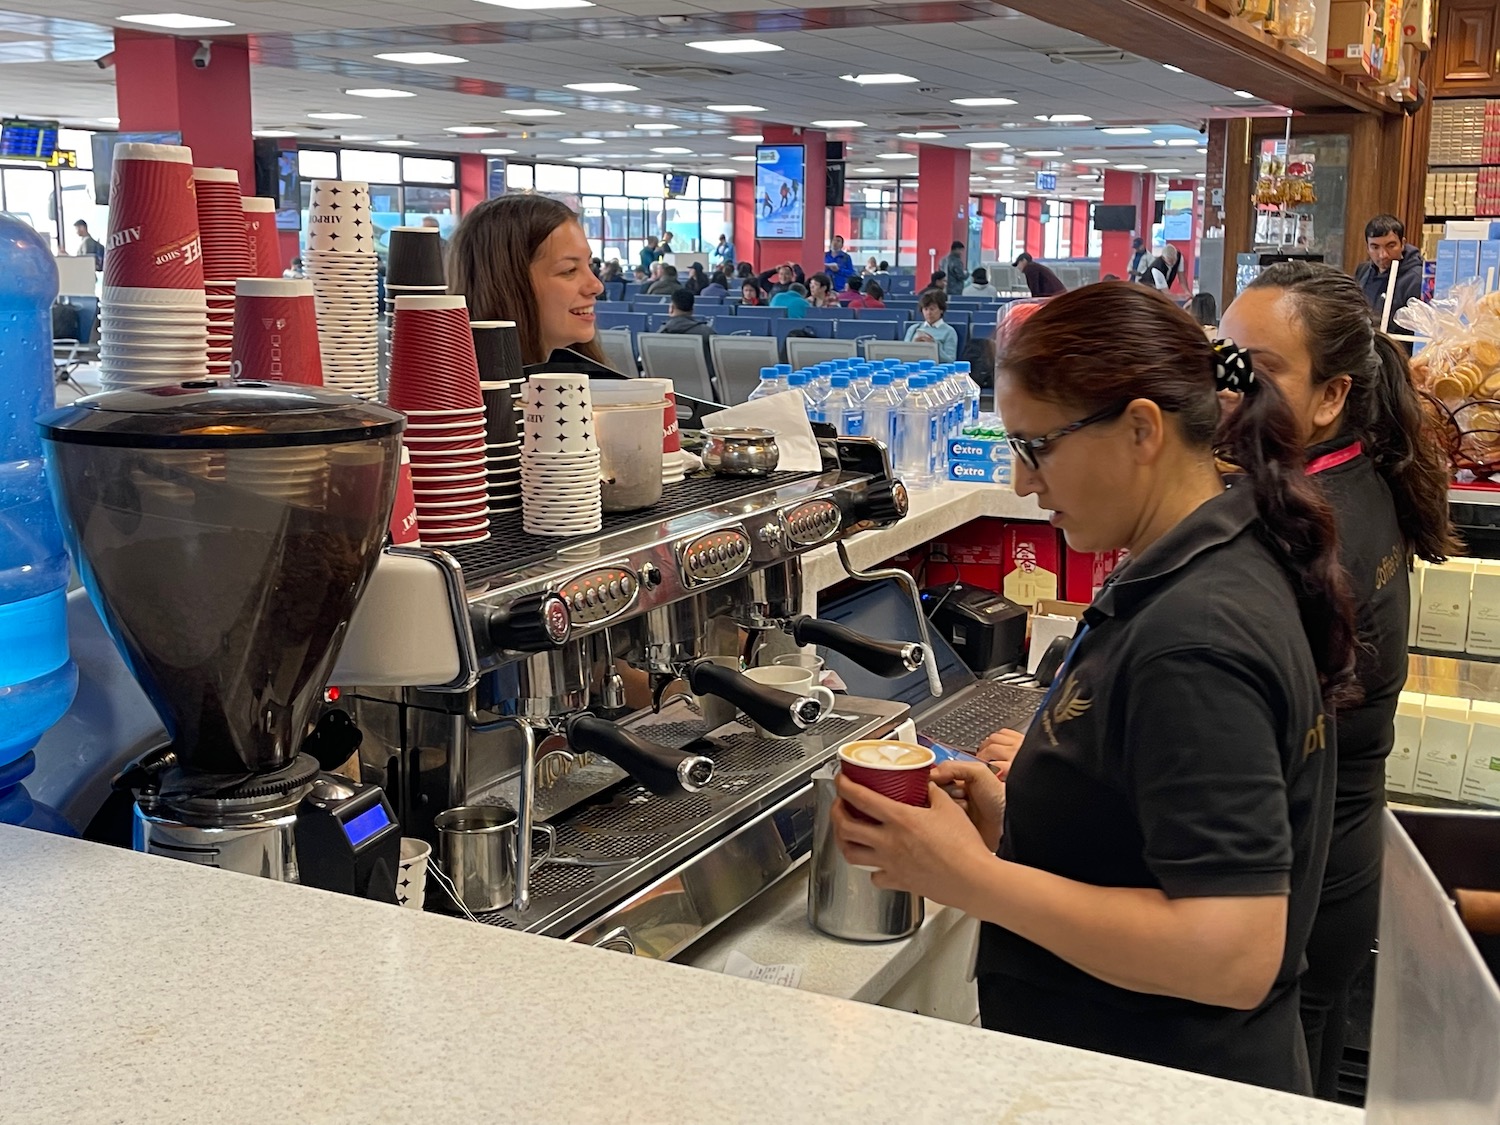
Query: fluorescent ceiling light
653	167
1044	152
871	170
538	5
1064	118
987	144
1130	167
1168	171
838	123
379	92
1243	94
748	138
923	135
1182	142
743	159
420	58
398	143
602	87
582	141
1000	181
979	178
109	120
1173	69
469	130
1200	175
673	151
583	160
533	112
497	152
1125	130
337	116
734	46
1091	160
984	101
735	108
358	137
879	79
1202	152
722	171
657	125
176	21
259	132
897	156
1159	143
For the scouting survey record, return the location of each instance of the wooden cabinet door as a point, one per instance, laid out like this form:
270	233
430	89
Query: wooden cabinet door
1467	46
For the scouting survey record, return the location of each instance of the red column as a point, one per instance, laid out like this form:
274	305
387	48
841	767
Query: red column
158	89
1189	245
942	203
809	251
1138	191
473	181
989	231
1035	235
742	200
1078	229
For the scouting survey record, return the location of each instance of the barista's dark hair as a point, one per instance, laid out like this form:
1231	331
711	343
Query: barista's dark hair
1113	342
1382	410
489	264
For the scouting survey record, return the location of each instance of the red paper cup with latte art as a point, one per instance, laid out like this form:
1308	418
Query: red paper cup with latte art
153	220
898	770
276	332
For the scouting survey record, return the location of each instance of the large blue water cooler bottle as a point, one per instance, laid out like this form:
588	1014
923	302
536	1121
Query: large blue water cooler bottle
37	676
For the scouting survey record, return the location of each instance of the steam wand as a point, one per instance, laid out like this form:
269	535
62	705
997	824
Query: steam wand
909	584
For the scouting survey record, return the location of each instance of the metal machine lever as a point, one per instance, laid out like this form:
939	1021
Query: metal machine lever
885	658
658	768
525	799
909	584
780	712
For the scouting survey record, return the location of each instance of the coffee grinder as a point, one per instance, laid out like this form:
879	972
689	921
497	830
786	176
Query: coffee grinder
225	533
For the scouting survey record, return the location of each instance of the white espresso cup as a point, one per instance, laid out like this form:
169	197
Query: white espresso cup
795	681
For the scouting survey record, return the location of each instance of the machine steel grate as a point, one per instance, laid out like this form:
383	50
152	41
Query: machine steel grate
573	840
637	814
509	547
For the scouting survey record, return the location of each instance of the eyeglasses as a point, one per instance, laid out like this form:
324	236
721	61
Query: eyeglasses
1029	450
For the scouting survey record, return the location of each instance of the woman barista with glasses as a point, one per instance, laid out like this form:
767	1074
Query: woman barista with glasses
1372	449
1162	832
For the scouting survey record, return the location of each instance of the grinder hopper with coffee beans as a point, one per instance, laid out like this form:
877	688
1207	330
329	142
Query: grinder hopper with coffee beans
225	533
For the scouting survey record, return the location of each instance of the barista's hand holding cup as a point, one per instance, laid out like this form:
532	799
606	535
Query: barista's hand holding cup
898	770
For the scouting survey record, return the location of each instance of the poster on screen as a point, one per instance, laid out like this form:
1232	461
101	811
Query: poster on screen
780	183
1177	217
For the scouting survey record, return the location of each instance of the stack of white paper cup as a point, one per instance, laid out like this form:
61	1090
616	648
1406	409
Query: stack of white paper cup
340	261
153	316
559	457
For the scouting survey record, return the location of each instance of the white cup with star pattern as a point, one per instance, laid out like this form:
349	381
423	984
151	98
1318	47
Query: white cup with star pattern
411	875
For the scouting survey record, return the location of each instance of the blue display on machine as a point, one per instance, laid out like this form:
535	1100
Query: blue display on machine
360	828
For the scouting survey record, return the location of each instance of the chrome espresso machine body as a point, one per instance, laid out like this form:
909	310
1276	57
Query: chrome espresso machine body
571	685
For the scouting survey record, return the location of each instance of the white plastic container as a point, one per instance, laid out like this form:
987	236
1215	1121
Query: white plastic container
630	457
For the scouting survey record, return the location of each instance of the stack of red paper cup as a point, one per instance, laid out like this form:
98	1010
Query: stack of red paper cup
559	457
276	331
260	229
340	261
227	256
153	320
435	381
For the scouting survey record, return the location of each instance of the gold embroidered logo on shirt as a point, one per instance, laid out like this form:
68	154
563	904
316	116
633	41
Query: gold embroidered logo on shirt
1070	704
1316	738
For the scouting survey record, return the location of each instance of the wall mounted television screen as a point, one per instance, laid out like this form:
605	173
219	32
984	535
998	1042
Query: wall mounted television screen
677	185
28	140
780	188
104	156
1114	216
288	192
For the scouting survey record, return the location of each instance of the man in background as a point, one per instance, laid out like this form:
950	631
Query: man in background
954	269
88	245
1385	243
837	264
1139	256
1041	281
666	284
650	254
682	322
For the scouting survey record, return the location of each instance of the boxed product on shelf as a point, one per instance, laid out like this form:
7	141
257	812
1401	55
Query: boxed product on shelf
1084	572
1445	266
1443	614
1401	764
1481	776
979	472
1467	229
1484	610
1031	562
1468	258
983	449
1350	33
1445	747
1416	24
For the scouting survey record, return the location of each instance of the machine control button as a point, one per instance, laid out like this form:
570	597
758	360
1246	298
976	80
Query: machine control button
627	586
614	588
650	576
591	596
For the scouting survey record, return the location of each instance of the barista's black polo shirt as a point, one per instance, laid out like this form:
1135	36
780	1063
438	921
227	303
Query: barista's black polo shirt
1373	551
1185	748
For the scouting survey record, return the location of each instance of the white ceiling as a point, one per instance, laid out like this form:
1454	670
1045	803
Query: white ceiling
308	55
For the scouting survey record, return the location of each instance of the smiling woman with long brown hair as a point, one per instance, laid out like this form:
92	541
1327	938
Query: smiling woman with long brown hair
525	258
1162	829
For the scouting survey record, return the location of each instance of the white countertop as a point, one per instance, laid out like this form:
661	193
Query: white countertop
773	929
141	989
933	511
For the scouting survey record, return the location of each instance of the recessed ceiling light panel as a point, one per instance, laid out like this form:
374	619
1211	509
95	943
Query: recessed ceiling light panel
734	46
880	79
980	102
602	87
421	58
175	21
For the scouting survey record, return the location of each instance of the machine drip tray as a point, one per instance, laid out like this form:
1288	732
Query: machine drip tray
612	846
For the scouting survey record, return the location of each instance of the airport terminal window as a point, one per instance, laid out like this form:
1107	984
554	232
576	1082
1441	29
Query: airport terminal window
404	190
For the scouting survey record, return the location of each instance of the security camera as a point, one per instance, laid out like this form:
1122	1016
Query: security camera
203	54
104	62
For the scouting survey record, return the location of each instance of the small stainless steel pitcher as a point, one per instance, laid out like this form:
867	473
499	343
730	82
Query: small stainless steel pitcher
841	900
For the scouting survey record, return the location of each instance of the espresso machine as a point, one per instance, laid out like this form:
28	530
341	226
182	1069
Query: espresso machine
566	679
225	533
